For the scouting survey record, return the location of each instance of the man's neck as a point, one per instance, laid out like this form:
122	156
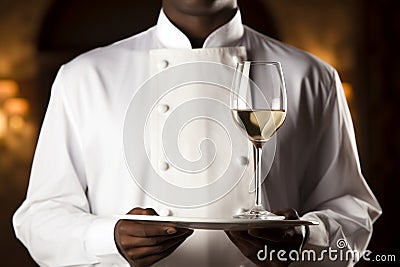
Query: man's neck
198	27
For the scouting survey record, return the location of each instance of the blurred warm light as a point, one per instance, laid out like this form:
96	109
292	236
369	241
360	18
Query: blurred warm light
16	106
16	122
3	123
325	54
348	91
8	88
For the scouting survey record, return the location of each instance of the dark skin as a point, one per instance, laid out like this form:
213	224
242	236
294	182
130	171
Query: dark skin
144	245
251	241
198	18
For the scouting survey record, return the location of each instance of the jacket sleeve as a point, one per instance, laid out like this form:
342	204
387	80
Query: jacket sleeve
54	222
337	195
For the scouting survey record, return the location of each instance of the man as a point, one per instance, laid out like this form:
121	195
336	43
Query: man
79	177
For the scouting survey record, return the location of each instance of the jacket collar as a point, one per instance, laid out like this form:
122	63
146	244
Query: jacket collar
171	37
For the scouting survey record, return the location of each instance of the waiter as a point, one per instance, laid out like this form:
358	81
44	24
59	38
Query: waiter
80	177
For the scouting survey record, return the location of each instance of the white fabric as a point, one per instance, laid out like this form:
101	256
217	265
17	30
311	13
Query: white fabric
79	176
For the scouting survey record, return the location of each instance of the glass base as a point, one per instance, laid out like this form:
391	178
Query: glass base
259	213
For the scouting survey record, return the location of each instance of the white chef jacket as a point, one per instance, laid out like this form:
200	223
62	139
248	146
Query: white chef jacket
79	176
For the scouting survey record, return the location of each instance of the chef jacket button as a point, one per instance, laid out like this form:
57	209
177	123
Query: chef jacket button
162	108
164	212
163	64
163	166
243	160
237	59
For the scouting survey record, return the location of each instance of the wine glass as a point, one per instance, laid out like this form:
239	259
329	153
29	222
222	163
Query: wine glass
258	105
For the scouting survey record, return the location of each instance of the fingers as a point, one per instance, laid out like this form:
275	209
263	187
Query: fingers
283	235
128	241
139	252
248	245
290	214
151	259
140	211
250	242
272	234
245	237
144	244
279	234
133	228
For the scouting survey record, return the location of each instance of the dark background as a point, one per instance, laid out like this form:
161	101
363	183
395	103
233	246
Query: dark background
359	38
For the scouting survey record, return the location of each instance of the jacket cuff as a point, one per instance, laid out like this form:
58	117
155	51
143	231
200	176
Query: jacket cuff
318	236
99	241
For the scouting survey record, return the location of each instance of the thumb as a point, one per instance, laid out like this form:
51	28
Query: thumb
289	213
141	211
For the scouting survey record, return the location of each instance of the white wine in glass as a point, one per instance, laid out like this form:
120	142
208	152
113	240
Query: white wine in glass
258	105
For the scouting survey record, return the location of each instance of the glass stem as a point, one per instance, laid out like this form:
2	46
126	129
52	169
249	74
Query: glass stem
258	176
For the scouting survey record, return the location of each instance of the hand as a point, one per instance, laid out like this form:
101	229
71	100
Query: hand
250	242
143	245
